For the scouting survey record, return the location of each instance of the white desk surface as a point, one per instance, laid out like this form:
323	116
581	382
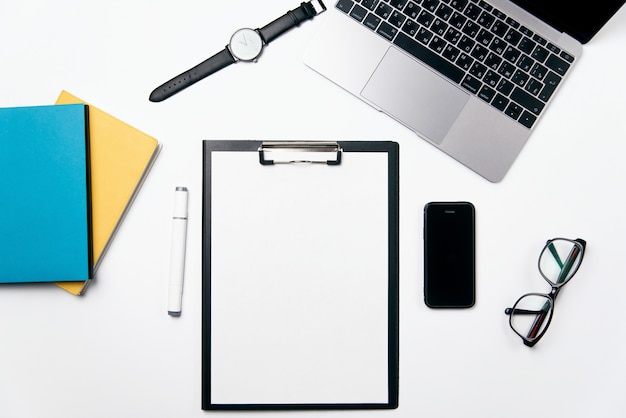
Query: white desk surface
116	353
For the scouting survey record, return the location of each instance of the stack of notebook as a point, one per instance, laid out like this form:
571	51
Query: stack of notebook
69	173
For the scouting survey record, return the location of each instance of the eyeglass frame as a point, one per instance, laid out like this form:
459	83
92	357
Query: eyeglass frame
579	243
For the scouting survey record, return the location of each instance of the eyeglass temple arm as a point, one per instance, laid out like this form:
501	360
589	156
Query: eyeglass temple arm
565	269
534	330
555	254
511	311
541	316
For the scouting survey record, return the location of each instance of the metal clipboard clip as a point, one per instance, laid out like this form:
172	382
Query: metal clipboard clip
287	152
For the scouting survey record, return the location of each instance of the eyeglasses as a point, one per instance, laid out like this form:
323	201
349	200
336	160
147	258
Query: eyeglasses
558	262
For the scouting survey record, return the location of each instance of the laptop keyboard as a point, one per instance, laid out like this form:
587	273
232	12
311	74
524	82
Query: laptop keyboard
475	46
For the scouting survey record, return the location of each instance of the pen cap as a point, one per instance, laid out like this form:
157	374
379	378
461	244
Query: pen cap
180	203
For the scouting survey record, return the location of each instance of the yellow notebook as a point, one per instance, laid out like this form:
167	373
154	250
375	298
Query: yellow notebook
121	157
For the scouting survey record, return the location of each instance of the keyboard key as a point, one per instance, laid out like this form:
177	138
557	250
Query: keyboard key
470	28
540	53
480	53
466	44
439	27
497	13
553	48
557	65
526	31
478	70
491	78
505	87
387	31
457	20
527	119
369	4
500	102
444	12
527	46
538	71
485	5
513	37
486	19
465	62
499	28
493	61
472	11
358	13
431	5
398	4
410	27
412	10
506	69
533	86
372	21
486	93
451	52
424	35
471	83
425	18
452	36
525	63
397	19
484	37
520	78
458	4
527	101
540	40
430	58
566	56
511	54
513	110
383	10
344	5
512	22
437	44
550	82
498	46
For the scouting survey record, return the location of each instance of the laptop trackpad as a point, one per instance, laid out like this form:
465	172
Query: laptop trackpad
415	96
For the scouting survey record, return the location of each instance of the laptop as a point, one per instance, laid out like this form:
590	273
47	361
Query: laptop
470	77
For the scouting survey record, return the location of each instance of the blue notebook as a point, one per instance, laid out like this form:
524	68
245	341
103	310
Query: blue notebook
44	180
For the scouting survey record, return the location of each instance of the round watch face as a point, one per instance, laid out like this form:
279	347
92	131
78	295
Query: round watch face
246	44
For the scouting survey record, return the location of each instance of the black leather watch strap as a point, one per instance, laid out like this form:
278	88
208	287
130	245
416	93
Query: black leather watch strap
205	68
224	58
289	20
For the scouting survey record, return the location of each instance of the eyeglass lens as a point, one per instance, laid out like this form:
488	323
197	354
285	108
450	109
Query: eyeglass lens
531	315
559	261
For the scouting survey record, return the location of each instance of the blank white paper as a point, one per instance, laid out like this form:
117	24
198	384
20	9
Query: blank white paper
299	280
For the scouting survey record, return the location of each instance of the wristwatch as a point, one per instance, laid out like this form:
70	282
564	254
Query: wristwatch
245	45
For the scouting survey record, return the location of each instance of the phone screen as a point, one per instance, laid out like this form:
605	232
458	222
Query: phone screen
449	255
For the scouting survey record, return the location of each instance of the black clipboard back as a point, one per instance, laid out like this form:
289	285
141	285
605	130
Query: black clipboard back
300	275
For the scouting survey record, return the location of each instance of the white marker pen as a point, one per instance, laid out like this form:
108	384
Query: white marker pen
177	256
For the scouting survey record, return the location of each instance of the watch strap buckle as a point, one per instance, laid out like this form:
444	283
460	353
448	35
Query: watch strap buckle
318	6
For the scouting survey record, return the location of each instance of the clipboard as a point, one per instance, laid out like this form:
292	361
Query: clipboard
300	267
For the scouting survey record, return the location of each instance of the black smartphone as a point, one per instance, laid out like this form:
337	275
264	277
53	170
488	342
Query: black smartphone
449	255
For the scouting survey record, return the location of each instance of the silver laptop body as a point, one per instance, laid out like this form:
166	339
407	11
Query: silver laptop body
459	123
